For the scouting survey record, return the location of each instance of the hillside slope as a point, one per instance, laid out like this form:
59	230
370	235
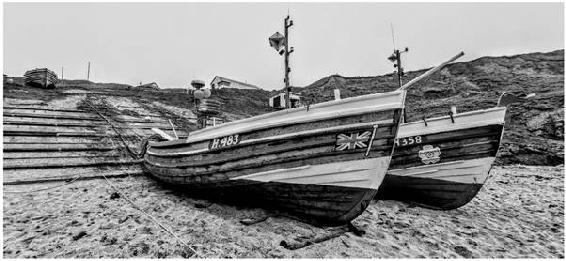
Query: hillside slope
534	129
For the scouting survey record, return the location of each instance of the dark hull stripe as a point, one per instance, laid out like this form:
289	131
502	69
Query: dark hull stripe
289	128
386	131
455	145
324	205
216	173
482	131
314	144
426	192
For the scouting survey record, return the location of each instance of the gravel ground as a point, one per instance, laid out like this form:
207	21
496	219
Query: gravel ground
518	213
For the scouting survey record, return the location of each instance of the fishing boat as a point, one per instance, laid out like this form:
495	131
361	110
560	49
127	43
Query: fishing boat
322	164
42	77
442	163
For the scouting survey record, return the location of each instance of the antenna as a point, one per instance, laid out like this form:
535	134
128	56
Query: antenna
393	35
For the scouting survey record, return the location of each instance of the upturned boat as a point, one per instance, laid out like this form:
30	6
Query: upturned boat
321	164
42	77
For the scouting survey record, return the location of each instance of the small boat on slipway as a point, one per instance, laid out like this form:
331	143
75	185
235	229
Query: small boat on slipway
442	163
42	77
322	163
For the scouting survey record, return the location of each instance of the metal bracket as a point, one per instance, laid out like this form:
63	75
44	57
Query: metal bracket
375	127
451	116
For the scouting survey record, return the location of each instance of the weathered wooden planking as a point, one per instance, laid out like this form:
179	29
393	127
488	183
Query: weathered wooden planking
266	131
454	145
35	133
15	147
55	140
63	113
67	123
292	132
70	116
61	154
29	120
19	127
53	123
452	154
325	143
26	176
41	108
141	117
243	141
288	157
68	163
286	160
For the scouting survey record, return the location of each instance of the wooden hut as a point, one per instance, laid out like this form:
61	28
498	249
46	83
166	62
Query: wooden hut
278	101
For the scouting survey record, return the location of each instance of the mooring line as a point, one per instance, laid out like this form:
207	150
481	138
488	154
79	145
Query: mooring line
132	153
152	218
37	190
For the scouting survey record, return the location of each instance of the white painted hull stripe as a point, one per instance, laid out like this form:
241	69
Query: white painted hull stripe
473	171
366	173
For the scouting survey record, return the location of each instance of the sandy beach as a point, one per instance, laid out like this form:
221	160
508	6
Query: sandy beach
519	213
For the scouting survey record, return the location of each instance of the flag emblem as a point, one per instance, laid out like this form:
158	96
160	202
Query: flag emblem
352	141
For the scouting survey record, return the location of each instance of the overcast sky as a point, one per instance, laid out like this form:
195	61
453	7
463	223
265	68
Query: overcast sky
174	43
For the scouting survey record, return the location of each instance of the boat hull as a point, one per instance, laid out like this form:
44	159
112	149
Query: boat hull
43	78
321	165
450	164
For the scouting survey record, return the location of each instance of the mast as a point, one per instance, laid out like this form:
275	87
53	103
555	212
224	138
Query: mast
286	24
395	58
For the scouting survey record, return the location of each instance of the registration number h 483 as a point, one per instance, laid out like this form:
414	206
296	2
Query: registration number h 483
224	142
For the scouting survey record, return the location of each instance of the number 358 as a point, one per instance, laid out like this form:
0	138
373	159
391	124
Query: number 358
408	141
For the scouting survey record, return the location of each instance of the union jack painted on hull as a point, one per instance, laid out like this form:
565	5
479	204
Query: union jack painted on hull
352	141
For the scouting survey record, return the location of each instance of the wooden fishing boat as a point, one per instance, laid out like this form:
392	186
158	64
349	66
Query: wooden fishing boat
43	77
322	163
442	163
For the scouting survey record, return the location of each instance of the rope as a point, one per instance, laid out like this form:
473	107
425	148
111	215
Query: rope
152	218
132	153
31	191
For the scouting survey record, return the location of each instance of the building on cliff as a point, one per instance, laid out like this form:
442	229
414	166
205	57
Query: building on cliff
149	86
222	82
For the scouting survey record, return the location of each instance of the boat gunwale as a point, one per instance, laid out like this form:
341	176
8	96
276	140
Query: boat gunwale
356	111
456	126
463	114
